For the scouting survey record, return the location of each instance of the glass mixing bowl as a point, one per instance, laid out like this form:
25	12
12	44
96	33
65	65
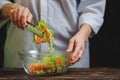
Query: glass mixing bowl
44	63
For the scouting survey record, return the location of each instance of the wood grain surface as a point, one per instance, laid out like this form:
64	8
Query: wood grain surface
72	74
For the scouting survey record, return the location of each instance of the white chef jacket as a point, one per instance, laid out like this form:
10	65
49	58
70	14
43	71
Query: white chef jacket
63	16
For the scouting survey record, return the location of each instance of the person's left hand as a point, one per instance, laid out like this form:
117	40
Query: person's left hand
77	47
77	43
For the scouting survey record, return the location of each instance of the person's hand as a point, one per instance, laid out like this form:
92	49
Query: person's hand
77	43
77	47
20	15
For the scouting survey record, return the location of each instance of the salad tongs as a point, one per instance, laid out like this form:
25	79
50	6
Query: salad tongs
31	27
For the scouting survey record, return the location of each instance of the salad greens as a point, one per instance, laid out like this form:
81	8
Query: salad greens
49	65
42	33
48	35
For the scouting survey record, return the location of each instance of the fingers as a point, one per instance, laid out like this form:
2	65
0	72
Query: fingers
76	51
19	16
19	19
80	54
24	17
78	46
29	18
70	46
76	56
11	15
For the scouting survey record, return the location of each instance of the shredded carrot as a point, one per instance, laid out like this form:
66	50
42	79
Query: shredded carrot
39	39
41	66
45	29
58	62
47	33
48	36
38	67
32	68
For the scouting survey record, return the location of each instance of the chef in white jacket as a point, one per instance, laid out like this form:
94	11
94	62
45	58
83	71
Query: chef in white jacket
73	22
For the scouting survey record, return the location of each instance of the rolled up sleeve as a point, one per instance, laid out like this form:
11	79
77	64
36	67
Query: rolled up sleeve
3	2
92	13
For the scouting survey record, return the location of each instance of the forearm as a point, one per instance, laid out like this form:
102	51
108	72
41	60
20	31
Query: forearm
4	12
85	31
92	13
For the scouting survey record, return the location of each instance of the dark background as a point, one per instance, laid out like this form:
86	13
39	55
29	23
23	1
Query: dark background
104	47
2	41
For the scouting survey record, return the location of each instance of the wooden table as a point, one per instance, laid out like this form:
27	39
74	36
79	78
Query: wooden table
72	74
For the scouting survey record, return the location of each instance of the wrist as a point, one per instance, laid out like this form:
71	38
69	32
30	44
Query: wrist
4	12
85	31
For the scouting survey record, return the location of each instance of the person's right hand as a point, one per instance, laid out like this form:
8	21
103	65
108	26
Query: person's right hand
20	15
